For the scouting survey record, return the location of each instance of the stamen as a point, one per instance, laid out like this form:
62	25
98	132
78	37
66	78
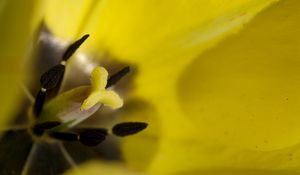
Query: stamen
100	130
49	80
128	128
73	47
91	137
52	77
117	76
39	102
64	136
39	129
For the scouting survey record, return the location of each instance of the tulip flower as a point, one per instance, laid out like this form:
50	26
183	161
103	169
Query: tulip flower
215	80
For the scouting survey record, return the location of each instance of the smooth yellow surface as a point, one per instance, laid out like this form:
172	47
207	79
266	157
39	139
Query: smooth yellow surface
242	99
66	17
18	18
247	89
96	168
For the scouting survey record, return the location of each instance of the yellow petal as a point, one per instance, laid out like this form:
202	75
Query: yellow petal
18	19
162	38
197	157
67	17
241	94
96	168
246	90
139	150
153	31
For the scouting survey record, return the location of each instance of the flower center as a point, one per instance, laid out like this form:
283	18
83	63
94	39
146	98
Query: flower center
55	117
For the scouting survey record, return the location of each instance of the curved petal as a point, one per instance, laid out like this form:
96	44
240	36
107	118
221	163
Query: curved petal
241	94
18	19
67	17
161	49
94	168
161	38
246	91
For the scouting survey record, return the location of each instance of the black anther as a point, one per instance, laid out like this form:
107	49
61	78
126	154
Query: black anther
39	103
73	47
64	136
128	128
40	128
91	137
52	77
117	76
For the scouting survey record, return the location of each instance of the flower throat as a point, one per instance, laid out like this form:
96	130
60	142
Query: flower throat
45	124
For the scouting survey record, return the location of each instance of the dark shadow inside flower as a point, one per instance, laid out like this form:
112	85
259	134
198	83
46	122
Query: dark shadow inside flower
46	158
15	147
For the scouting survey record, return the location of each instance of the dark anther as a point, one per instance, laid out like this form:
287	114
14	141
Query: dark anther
39	129
64	136
39	103
73	47
128	128
52	77
91	137
117	76
100	130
